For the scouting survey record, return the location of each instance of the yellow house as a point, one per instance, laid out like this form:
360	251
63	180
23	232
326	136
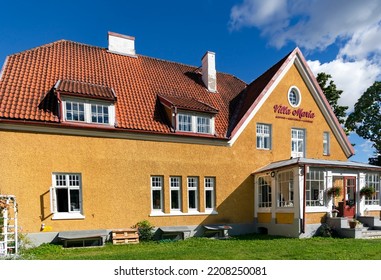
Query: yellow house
99	139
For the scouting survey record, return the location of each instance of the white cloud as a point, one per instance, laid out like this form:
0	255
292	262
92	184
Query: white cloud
312	25
354	27
259	13
352	77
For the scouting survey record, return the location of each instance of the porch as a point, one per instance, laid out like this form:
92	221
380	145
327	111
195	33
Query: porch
293	197
367	228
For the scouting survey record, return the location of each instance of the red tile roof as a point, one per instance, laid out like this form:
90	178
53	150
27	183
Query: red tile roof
81	89
28	78
189	104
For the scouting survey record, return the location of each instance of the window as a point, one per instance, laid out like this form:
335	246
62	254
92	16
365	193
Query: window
326	143
197	123
75	111
175	186
294	97
297	142
99	114
203	124
89	111
315	188
66	197
264	191
193	193
185	122
373	180
263	136
209	193
157	193
286	189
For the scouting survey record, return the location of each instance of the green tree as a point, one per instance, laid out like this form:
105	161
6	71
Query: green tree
365	120
333	95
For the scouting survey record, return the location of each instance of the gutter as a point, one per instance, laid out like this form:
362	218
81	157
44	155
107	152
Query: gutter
303	228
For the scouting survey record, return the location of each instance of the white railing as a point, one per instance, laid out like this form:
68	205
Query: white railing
8	225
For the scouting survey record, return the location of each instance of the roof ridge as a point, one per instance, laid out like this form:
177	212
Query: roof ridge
52	44
190	65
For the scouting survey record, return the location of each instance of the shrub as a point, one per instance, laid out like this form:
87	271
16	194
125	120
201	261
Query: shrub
145	230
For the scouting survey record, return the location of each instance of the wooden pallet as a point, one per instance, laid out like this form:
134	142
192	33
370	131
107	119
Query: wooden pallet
125	236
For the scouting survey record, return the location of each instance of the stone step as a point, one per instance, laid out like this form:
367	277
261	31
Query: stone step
371	234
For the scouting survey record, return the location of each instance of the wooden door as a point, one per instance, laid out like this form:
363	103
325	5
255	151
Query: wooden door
349	197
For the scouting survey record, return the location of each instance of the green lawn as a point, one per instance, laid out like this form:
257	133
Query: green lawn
253	247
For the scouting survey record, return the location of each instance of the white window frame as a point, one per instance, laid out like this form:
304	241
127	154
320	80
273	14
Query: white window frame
210	187
196	122
157	185
298	97
87	110
71	213
326	143
175	186
264	198
285	189
263	134
315	187
298	142
192	186
373	179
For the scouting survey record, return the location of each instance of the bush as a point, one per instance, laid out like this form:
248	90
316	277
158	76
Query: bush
145	230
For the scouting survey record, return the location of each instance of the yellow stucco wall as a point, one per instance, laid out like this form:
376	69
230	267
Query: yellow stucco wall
284	218
264	218
315	218
116	172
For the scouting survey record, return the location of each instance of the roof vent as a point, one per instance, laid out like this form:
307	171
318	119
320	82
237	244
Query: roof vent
209	76
121	44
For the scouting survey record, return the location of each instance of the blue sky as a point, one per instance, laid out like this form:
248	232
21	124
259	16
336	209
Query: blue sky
339	37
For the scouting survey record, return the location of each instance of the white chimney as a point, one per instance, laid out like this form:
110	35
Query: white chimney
209	76
121	44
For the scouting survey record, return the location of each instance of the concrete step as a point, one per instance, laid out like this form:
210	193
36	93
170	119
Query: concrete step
371	234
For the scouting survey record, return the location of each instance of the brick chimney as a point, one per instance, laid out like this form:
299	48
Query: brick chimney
209	75
121	44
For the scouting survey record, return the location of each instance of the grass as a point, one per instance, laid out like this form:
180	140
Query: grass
251	247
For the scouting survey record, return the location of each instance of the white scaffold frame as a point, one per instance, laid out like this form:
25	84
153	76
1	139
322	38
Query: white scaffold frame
8	226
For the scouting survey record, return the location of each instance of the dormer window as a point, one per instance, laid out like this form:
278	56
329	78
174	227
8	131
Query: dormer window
189	115
88	111
195	122
86	103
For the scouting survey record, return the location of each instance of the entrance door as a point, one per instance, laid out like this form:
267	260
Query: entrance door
349	196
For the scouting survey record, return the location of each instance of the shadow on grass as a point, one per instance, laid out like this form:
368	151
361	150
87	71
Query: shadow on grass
257	236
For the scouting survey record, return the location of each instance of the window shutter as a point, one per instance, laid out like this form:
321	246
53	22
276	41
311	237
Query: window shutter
53	200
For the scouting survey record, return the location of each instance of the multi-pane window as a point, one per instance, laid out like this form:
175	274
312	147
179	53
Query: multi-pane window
209	193
315	188
66	193
193	193
264	191
157	192
99	113
297	142
373	180
203	124
264	136
75	111
326	143
197	123
175	186
89	111
294	97
285	190
185	122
